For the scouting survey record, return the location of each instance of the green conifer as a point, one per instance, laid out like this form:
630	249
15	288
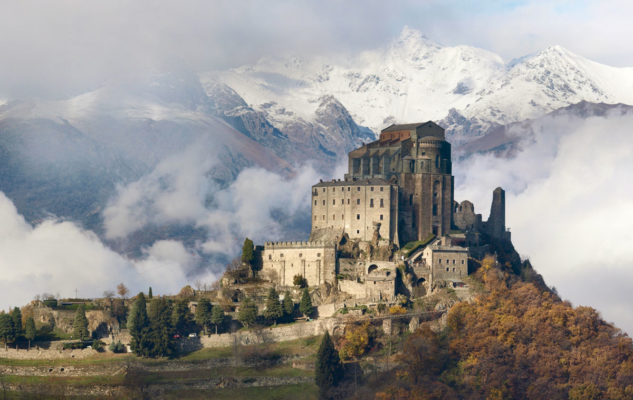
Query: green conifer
6	328
247	313
138	325
16	317
80	324
29	330
289	305
203	314
273	307
305	306
328	369
161	331
217	317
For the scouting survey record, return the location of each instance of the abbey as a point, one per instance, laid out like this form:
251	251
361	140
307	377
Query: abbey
398	191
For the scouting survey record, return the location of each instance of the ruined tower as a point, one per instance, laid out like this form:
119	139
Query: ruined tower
496	224
417	159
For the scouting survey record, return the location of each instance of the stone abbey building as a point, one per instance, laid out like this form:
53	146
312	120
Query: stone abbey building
398	189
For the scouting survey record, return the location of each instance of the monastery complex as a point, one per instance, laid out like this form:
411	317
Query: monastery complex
394	208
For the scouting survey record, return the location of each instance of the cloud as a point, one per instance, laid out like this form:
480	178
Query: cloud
569	203
67	47
59	257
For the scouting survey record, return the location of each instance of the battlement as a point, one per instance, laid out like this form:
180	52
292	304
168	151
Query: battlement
298	245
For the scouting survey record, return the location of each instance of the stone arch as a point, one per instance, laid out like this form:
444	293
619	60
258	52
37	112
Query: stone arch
372	268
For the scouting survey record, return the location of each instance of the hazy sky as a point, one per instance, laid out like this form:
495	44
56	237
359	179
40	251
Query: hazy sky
62	47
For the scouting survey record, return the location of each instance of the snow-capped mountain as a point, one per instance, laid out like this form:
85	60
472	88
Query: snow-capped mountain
469	90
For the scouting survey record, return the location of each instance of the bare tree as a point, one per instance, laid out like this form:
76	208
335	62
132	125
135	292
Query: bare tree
122	290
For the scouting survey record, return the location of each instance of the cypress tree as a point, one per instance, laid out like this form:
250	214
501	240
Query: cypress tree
306	303
16	316
182	319
161	330
248	254
149	293
273	307
138	325
217	317
80	324
203	314
29	330
248	312
289	305
6	328
328	369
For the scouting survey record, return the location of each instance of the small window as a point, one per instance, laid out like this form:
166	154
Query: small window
270	256
453	262
333	217
453	269
318	254
281	255
372	189
342	216
333	202
315	218
300	255
381	217
324	218
357	216
371	203
382	203
315	202
323	190
358	188
357	201
357	231
348	188
446	269
323	202
342	189
381	188
347	201
410	199
462	262
439	260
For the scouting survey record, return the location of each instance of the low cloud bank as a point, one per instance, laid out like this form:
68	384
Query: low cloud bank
569	203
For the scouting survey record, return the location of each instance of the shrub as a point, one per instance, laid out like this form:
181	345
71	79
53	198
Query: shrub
299	280
397	309
117	347
98	345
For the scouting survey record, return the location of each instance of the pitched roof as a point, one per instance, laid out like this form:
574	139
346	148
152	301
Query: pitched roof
407	127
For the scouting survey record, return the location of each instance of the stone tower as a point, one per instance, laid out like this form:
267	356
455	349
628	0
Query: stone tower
416	158
496	224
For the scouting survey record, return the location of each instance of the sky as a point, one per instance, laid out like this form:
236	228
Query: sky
579	241
62	48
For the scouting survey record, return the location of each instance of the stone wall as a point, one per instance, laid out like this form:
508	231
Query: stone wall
315	261
355	207
447	262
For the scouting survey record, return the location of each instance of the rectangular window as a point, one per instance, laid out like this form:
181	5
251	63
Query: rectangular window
357	231
357	216
453	262
372	189
462	262
371	203
318	254
382	203
323	202
324	218
323	190
348	188
315	217
281	255
333	217
333	202
381	217
347	201
357	201
315	202
358	188
270	257
342	201
381	188
342	216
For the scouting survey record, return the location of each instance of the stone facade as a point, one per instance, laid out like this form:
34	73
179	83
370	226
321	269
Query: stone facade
446	261
315	261
357	207
416	158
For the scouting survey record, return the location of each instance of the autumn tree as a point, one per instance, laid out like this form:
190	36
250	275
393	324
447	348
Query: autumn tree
80	323
122	290
328	369
305	306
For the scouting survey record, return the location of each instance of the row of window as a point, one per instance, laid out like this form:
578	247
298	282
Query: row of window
281	255
342	217
371	202
371	188
439	261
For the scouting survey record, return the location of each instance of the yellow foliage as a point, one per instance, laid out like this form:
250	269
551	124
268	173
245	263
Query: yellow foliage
356	341
397	309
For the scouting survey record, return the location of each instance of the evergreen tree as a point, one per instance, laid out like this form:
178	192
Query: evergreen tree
328	368
203	314
289	305
306	303
29	330
138	325
273	307
182	319
161	329
80	323
6	329
248	312
248	252
217	317
149	293
16	317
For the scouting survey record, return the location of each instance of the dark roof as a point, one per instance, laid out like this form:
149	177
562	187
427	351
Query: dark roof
407	127
355	182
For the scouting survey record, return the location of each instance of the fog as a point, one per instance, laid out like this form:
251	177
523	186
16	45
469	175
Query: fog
569	204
